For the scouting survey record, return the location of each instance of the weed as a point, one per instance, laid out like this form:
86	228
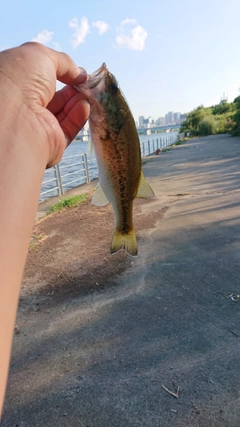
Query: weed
35	240
67	202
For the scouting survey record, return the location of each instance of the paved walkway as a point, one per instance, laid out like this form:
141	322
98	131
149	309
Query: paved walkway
174	318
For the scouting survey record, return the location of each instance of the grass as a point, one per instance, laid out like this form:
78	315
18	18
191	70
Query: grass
164	150
180	142
68	202
35	240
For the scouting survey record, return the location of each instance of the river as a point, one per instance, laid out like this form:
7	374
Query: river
72	168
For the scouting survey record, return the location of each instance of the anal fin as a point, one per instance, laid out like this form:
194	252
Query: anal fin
144	189
99	198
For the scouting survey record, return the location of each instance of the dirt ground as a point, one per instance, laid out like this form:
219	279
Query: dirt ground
73	248
149	341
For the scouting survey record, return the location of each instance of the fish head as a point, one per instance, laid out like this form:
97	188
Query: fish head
108	105
94	86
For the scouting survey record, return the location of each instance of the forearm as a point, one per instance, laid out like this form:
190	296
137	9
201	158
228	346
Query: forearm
21	172
36	123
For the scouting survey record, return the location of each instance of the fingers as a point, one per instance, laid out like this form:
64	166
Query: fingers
66	70
61	98
68	105
70	124
71	110
73	118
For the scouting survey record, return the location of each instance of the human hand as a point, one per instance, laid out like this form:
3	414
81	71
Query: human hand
28	77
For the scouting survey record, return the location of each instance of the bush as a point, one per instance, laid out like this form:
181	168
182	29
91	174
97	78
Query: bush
236	117
223	107
208	126
221	118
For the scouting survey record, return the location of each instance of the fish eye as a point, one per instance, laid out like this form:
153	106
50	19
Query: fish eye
113	88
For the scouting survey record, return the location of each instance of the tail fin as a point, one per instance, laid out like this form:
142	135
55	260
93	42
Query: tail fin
124	241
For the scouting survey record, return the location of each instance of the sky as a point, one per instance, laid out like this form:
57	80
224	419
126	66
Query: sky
170	55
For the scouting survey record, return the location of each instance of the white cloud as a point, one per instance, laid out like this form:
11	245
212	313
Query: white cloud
102	26
81	31
44	37
131	34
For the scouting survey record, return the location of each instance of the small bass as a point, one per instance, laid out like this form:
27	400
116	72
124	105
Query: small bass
117	148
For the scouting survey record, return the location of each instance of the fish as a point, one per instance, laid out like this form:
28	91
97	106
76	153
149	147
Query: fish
117	148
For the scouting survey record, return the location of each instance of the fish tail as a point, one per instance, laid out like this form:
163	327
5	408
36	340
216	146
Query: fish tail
127	241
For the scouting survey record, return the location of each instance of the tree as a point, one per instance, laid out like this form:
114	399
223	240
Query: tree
192	121
223	107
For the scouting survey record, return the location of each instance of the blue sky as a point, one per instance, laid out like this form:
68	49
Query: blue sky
170	55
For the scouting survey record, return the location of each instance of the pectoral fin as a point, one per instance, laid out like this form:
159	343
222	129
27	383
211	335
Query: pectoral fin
90	148
144	189
99	198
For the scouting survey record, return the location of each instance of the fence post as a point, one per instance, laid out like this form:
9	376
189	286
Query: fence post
143	149
148	147
86	167
59	179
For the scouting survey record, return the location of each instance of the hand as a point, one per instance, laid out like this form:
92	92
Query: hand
28	79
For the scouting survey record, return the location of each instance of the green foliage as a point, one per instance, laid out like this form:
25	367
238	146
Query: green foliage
223	107
208	126
236	102
221	118
236	117
67	202
192	121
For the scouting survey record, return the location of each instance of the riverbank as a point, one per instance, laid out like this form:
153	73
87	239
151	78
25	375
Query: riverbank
151	341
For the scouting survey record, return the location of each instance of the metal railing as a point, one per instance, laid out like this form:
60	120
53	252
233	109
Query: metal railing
79	169
151	143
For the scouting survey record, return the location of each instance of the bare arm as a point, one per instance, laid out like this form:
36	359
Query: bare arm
33	134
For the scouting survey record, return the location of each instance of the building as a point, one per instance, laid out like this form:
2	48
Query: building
141	121
169	118
146	123
84	134
176	118
161	121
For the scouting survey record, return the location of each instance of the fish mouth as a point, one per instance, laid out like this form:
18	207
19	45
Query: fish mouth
96	77
93	81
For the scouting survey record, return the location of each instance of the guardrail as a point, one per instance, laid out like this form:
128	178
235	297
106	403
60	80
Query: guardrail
150	143
82	169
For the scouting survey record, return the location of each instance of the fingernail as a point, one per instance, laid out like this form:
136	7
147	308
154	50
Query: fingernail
82	71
